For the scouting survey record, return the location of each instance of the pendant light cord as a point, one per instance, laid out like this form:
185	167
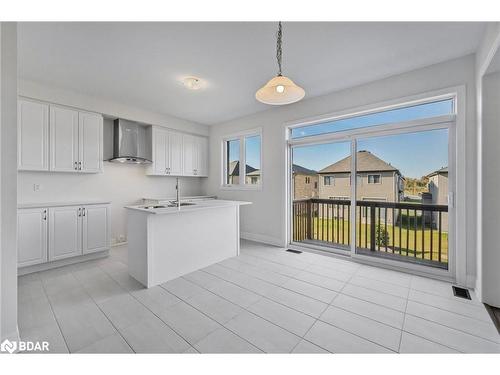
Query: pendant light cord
279	53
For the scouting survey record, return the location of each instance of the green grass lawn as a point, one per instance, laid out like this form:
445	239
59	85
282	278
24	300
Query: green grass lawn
400	241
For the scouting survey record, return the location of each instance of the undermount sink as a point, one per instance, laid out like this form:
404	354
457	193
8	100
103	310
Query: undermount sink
167	206
182	204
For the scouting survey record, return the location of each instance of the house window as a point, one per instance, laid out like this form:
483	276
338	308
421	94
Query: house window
308	180
328	180
315	184
242	160
374	179
343	198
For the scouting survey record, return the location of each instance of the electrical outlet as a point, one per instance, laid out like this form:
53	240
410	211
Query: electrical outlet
37	187
122	238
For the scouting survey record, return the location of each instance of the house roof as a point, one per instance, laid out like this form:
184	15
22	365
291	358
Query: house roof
298	169
443	170
253	173
234	169
366	162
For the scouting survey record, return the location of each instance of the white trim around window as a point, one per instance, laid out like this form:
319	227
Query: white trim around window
240	136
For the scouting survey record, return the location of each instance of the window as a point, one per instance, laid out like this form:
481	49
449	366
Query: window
391	116
233	161
328	180
242	160
315	184
308	180
340	198
374	179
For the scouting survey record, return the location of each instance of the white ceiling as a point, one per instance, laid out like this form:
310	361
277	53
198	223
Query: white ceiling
140	64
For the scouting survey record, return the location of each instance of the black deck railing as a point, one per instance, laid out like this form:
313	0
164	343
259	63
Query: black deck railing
406	231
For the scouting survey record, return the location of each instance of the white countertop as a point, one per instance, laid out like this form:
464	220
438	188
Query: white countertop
195	197
201	205
60	204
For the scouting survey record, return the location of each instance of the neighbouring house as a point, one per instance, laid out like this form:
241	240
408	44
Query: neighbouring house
233	176
253	178
377	180
305	182
438	189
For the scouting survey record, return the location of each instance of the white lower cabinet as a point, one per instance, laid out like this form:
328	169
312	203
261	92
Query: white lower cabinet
54	233
65	233
95	228
32	236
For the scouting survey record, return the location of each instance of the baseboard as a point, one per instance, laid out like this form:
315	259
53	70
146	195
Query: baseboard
61	263
262	238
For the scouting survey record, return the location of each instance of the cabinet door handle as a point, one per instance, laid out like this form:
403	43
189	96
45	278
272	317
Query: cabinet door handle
44	214
76	165
80	165
83	209
79	212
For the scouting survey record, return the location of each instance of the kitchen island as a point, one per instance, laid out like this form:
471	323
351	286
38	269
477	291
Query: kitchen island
167	242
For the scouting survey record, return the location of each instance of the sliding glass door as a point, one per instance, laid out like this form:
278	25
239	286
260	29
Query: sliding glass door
402	197
321	194
378	193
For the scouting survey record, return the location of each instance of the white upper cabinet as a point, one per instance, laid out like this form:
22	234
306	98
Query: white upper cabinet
90	142
175	148
160	152
190	156
168	153
202	154
31	236
195	155
63	139
57	138
32	136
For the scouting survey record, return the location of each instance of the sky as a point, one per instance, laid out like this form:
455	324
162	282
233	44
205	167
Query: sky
252	149
414	154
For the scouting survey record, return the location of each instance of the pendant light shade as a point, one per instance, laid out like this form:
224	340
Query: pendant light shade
280	90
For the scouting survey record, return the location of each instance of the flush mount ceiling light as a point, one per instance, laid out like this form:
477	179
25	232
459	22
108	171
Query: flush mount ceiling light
192	83
280	90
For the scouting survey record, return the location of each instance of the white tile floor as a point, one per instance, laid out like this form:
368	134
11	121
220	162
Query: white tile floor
265	300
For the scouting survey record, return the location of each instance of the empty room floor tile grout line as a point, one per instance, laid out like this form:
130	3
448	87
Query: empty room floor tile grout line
454	328
140	302
264	296
101	310
278	285
54	314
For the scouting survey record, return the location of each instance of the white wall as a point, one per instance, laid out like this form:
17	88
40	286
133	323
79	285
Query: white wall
484	55
8	163
121	184
265	218
491	181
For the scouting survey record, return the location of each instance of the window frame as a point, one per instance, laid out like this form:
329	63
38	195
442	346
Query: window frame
240	136
374	183
331	179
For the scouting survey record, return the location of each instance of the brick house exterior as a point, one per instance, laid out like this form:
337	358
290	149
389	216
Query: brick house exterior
305	182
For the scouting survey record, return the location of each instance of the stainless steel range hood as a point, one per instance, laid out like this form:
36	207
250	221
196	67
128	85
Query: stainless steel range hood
131	142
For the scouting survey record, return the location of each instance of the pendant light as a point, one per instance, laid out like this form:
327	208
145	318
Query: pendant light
280	90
